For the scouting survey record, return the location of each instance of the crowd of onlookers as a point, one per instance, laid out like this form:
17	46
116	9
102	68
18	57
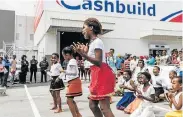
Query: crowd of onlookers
8	69
118	62
142	81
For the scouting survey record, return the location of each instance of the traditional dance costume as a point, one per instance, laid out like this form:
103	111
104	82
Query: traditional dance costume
175	112
102	78
56	83
74	87
127	98
145	108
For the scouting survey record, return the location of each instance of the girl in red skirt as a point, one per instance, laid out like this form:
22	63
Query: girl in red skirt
74	83
102	78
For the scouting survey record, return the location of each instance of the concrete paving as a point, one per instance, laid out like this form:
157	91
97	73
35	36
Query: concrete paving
34	100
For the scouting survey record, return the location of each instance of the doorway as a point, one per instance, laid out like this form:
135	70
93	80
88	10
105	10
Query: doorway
67	39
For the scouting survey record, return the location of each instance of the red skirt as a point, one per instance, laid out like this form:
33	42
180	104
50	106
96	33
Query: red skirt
102	82
74	88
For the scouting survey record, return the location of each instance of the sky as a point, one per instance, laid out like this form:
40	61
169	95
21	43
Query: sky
21	7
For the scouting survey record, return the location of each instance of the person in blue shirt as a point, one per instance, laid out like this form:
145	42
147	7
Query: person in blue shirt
7	65
119	61
151	60
111	60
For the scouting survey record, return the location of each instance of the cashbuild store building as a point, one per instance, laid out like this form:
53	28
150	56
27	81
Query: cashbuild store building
136	27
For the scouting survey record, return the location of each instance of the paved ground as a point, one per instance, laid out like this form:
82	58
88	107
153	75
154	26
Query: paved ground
33	100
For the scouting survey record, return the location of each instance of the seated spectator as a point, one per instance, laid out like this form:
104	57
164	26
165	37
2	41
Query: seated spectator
135	104
128	91
157	81
176	98
120	81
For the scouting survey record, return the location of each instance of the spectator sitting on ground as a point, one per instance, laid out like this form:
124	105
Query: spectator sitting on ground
120	81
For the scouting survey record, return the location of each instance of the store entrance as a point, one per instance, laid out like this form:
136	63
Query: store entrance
67	39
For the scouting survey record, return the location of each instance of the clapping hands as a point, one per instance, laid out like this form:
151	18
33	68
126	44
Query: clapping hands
80	48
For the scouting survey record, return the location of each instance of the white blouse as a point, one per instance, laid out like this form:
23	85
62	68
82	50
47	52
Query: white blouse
128	85
72	71
96	44
150	91
56	69
177	100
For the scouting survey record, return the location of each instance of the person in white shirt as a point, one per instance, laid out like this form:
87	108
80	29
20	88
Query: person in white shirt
56	83
157	82
120	81
163	58
176	98
74	87
140	68
128	91
102	78
147	94
133	63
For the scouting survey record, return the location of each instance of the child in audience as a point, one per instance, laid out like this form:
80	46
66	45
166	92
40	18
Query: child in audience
134	105
147	94
128	91
168	88
176	99
120	81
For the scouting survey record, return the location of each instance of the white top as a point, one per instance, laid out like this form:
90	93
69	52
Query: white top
96	44
133	64
128	85
150	91
163	59
158	79
72	71
56	69
177	100
121	80
138	70
87	64
178	59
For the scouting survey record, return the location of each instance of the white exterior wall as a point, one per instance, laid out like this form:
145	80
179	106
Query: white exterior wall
24	27
126	36
51	43
41	49
128	29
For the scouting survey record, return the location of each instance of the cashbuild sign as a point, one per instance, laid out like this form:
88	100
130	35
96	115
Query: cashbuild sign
120	7
115	6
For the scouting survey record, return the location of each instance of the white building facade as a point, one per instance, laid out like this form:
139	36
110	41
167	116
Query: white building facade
24	37
139	28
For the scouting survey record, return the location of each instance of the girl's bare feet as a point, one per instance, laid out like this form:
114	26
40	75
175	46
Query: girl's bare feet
58	111
53	108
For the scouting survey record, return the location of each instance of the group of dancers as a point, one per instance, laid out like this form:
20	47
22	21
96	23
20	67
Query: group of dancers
103	82
102	78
